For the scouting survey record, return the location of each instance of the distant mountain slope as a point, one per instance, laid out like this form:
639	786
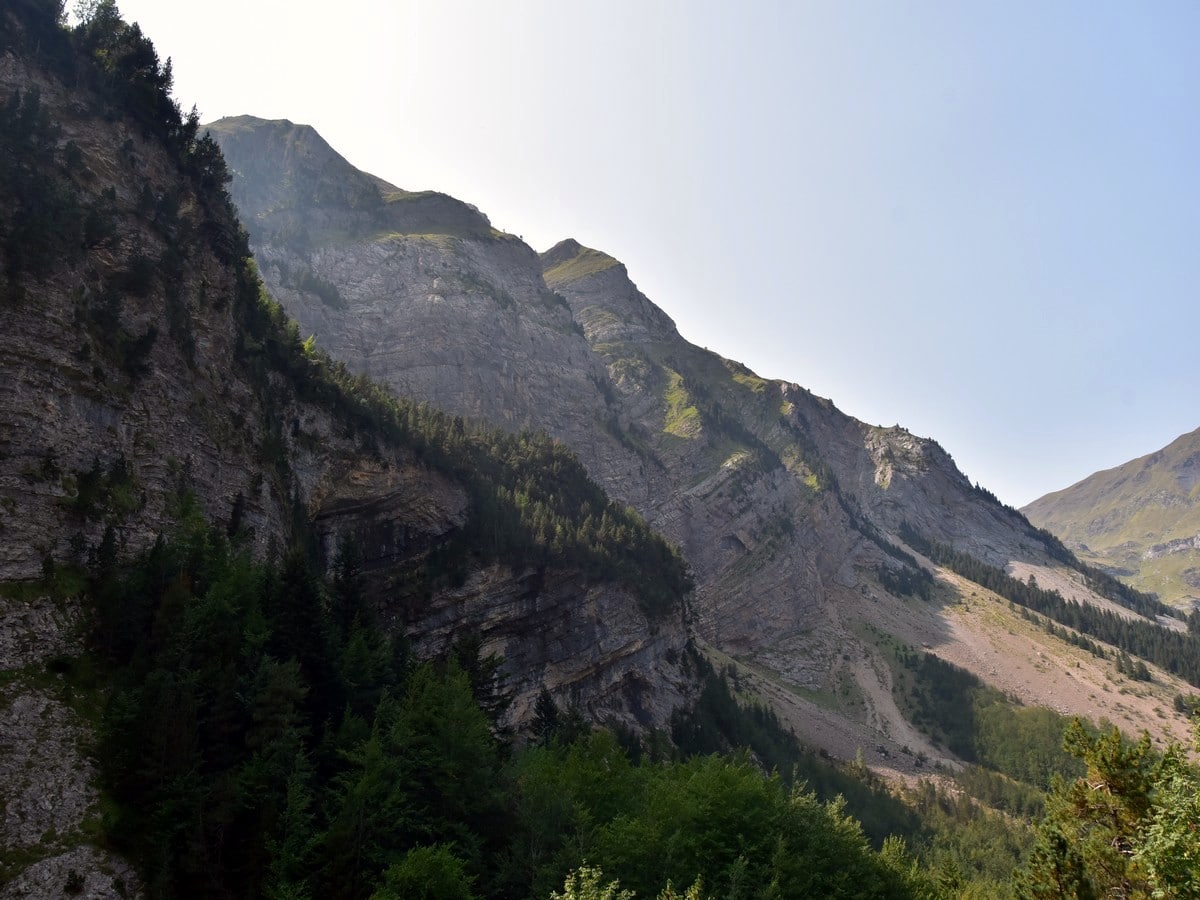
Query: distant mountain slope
1141	520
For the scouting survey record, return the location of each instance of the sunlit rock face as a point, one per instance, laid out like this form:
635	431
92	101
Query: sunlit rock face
760	483
788	511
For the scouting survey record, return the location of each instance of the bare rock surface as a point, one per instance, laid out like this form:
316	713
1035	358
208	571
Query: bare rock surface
82	871
786	509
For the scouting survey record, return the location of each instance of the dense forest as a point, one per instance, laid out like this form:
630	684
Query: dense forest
262	737
258	734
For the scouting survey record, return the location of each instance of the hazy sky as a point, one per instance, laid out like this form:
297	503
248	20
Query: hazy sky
980	220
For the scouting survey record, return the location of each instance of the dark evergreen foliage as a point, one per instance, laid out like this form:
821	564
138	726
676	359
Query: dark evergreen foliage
980	725
1068	635
1101	582
717	723
906	581
41	224
1130	827
249	751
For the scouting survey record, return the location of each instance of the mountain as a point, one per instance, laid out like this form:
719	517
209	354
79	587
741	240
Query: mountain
269	628
1140	521
148	383
807	531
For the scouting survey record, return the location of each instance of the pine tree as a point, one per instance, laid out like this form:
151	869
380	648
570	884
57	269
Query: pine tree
1087	840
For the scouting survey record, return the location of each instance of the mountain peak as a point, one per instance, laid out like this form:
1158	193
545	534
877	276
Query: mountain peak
1140	520
289	179
282	135
564	249
231	123
601	295
569	260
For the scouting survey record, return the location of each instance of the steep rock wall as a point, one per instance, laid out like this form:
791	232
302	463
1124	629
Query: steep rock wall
125	380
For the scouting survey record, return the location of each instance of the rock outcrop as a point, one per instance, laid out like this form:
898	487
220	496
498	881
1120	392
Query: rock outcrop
783	505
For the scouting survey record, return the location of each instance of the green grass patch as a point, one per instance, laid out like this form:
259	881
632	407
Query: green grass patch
441	240
59	582
682	418
586	262
745	377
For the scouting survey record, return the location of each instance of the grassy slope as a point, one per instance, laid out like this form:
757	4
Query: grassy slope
1121	513
586	262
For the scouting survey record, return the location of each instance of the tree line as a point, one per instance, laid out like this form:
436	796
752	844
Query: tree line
1174	651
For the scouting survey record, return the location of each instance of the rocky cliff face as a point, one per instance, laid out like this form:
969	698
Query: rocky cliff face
418	291
130	373
811	487
787	510
466	321
586	640
1140	520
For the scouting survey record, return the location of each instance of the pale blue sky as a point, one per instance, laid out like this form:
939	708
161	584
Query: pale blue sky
978	220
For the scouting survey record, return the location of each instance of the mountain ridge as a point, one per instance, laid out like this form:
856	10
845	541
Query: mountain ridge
789	512
180	466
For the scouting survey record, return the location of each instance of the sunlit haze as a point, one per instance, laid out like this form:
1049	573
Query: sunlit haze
977	220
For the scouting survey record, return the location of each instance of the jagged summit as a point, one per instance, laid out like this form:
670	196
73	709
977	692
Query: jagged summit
603	299
322	175
565	249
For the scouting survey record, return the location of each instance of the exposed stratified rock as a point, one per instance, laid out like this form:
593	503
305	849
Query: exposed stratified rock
894	476
772	485
762	485
417	290
603	299
589	642
47	783
786	509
